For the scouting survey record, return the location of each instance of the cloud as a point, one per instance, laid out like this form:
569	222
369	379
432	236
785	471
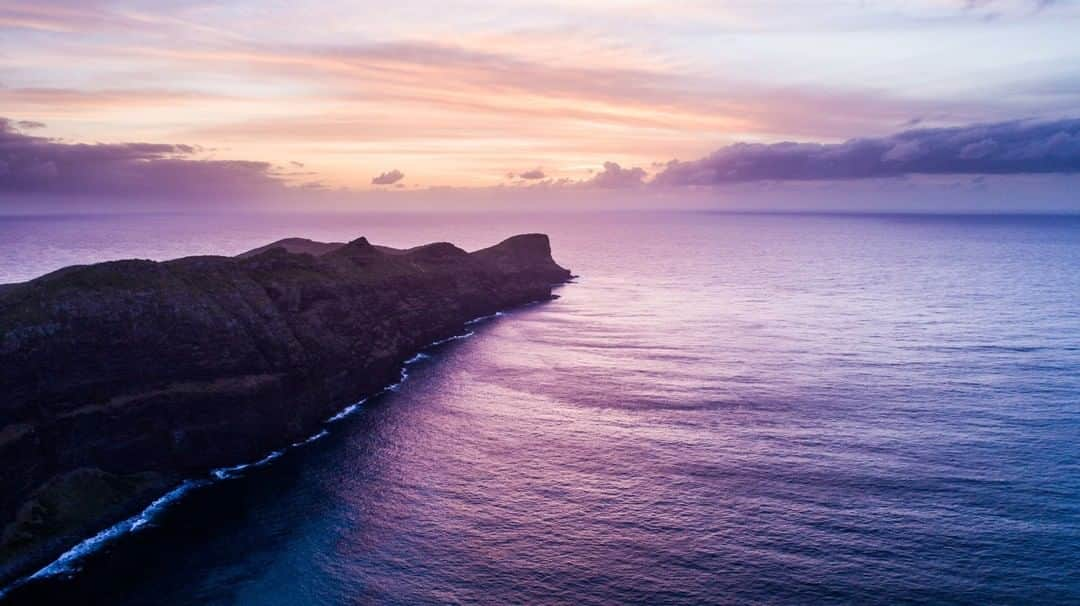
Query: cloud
532	175
595	82
612	176
997	7
514	95
32	164
388	178
1004	148
54	16
616	177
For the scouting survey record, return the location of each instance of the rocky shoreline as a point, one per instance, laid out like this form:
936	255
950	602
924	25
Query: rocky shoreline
122	378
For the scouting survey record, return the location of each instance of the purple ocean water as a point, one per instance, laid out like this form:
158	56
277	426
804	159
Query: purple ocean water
722	409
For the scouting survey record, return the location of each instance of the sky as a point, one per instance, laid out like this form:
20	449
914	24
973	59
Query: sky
542	102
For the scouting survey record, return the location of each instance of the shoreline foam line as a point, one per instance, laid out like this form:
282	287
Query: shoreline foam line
344	412
484	318
66	561
318	436
448	339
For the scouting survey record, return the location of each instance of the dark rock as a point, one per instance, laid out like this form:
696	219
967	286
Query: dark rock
296	245
125	375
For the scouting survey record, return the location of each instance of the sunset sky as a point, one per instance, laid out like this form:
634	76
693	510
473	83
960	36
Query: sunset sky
190	95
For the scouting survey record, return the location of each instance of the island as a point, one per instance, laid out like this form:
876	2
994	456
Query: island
121	379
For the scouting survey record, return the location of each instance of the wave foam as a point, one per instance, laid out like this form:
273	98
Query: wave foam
348	410
67	563
225	473
321	434
484	318
453	338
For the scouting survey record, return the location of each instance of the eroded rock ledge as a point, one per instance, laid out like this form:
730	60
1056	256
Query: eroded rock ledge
119	378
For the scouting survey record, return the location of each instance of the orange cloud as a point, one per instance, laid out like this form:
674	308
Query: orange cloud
461	113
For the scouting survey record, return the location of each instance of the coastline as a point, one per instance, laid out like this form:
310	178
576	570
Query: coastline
201	367
64	560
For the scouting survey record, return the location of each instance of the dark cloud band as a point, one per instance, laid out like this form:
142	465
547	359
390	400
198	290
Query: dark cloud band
1018	147
31	164
532	175
388	178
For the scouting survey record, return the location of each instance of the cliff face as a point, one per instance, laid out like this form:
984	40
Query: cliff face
120	377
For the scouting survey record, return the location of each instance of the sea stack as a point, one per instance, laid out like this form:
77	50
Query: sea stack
120	379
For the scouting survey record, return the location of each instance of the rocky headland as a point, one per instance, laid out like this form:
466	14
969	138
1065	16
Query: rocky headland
120	379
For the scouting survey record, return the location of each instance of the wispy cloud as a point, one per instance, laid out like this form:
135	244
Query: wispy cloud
82	101
564	85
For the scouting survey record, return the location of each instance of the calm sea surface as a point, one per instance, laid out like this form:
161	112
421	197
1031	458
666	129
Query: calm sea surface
782	409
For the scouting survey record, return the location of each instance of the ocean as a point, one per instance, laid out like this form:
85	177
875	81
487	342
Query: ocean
720	409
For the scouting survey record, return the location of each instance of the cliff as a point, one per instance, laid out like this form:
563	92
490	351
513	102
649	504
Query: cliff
120	378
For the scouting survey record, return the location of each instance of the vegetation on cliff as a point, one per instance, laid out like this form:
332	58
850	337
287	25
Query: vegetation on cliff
121	377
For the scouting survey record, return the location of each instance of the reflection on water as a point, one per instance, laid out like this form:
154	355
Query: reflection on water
723	408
